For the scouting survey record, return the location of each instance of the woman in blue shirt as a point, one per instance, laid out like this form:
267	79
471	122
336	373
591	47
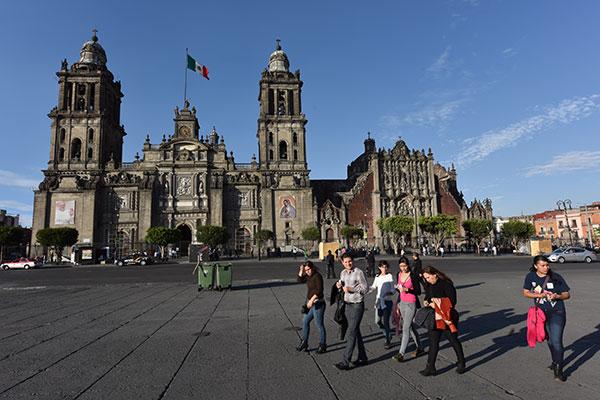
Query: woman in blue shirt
549	290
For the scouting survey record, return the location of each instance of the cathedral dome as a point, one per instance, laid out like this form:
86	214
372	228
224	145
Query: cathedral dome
278	61
92	53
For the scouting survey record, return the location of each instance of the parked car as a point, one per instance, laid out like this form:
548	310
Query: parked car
572	254
134	259
21	263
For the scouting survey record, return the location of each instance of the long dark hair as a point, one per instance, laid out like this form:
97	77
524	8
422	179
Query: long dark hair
434	271
312	266
537	259
381	264
405	261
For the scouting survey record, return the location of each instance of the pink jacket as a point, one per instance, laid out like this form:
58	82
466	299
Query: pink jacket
536	320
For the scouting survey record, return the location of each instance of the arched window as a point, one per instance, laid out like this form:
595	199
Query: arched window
270	137
61	154
270	154
90	153
294	138
90	135
76	149
63	135
81	104
283	155
295	155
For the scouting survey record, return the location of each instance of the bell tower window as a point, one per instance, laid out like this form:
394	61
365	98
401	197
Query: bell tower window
270	154
63	135
294	138
91	135
61	154
76	149
270	137
80	104
90	153
295	155
283	154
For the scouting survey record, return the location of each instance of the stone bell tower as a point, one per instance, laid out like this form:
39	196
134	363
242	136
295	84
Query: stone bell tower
86	132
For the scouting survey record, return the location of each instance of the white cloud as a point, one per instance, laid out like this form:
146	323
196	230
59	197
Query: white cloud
431	115
509	52
9	178
441	66
14	205
568	162
567	111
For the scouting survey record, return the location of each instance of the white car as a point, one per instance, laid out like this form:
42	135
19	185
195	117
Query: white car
572	254
21	263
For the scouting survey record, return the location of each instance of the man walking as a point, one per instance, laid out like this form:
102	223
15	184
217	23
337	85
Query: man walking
370	263
330	260
353	283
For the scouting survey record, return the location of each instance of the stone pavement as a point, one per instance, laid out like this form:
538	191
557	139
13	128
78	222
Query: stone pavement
169	341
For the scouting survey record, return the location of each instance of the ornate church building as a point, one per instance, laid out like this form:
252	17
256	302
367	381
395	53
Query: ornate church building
189	179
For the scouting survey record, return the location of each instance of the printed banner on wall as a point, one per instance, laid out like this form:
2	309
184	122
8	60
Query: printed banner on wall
288	207
64	213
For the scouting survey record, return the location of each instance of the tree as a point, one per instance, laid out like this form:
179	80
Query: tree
212	235
398	227
312	234
516	231
478	229
11	236
261	237
439	227
162	236
351	232
57	239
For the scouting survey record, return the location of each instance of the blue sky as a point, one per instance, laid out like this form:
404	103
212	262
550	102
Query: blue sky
507	90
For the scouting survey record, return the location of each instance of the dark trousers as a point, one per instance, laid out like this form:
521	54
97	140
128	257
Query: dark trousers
354	315
330	271
555	326
434	345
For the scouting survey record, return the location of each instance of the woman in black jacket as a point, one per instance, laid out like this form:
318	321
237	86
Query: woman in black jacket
409	288
439	286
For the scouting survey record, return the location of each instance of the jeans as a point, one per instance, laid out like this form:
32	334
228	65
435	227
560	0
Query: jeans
434	345
382	316
330	271
408	311
555	326
317	311
354	314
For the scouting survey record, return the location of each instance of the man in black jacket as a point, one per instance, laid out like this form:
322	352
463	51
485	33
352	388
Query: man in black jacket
330	260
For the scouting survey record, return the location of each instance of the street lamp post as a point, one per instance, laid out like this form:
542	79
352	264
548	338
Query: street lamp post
565	205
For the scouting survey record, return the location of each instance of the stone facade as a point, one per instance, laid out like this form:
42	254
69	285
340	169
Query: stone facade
189	179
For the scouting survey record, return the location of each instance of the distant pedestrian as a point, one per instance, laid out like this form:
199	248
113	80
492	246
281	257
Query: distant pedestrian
441	251
440	294
485	250
549	291
370	263
417	264
314	307
402	252
353	283
294	252
409	287
384	285
494	250
330	261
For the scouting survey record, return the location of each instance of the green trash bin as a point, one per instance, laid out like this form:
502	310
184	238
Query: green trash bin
206	275
223	276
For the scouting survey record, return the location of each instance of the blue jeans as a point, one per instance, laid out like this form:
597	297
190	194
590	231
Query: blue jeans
555	326
317	311
383	315
354	314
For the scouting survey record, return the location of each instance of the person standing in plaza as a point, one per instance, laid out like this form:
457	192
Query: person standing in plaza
330	261
549	290
384	285
440	294
417	265
315	305
370	263
409	288
353	283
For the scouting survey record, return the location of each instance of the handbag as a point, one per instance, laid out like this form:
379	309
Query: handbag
425	318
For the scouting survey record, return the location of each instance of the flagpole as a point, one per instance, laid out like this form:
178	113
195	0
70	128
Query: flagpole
185	80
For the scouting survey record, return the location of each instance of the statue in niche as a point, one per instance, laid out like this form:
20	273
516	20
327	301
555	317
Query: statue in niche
404	208
166	184
200	184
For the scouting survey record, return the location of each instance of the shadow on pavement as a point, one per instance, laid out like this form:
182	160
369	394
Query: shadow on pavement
468	285
263	285
586	347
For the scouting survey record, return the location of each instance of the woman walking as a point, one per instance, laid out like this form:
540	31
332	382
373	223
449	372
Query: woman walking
409	288
440	295
315	305
549	290
384	284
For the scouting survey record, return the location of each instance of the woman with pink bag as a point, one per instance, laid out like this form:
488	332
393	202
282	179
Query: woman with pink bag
549	290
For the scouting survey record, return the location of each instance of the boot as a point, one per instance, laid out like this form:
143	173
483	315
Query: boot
461	367
322	348
428	371
303	346
559	374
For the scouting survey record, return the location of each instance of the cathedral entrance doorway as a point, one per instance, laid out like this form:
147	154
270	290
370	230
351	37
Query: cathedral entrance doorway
186	239
329	235
243	241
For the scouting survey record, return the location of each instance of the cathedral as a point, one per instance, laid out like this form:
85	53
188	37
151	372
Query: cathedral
189	179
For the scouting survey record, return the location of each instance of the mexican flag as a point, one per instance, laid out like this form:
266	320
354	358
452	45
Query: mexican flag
194	66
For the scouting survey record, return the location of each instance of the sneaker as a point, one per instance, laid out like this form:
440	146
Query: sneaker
399	357
342	367
322	349
387	345
302	346
428	371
